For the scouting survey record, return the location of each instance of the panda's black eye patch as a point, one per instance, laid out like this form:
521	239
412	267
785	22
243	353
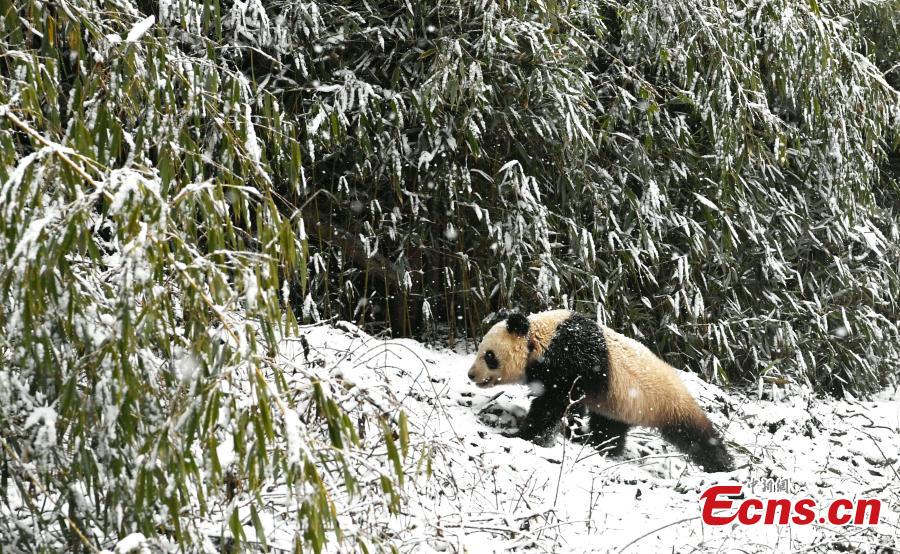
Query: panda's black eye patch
491	359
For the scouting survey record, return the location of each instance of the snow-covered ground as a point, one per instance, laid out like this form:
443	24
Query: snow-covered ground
469	489
489	493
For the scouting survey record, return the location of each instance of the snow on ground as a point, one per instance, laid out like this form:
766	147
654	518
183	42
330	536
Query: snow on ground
488	493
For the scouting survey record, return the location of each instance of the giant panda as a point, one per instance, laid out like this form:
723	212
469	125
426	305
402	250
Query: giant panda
570	361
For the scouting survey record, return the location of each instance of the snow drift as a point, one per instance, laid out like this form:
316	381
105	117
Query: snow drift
488	493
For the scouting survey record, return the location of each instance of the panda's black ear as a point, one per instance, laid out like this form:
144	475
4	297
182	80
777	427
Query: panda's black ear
495	317
517	324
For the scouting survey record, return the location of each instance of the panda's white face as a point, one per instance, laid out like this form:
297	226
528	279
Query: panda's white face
501	357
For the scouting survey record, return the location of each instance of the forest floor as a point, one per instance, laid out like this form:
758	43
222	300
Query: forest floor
467	488
489	493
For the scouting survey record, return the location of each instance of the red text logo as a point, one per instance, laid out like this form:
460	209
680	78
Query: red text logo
783	511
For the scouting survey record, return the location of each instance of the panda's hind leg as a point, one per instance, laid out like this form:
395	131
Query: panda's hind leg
700	441
607	435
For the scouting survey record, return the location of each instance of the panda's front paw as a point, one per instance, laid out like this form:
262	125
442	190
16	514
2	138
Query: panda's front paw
546	440
530	435
501	417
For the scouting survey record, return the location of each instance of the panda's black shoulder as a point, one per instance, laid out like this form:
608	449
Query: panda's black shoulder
577	338
578	326
578	352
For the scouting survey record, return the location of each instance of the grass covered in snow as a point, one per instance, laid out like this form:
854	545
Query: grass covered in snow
472	490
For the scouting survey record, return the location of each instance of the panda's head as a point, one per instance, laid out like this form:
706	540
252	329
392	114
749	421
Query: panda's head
502	354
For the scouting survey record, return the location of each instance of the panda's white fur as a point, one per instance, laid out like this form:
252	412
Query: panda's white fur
618	380
643	389
513	349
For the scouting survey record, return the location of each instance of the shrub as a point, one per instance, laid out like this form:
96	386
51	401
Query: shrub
717	179
142	249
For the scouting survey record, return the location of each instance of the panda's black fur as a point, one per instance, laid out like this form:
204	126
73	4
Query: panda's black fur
564	376
572	370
